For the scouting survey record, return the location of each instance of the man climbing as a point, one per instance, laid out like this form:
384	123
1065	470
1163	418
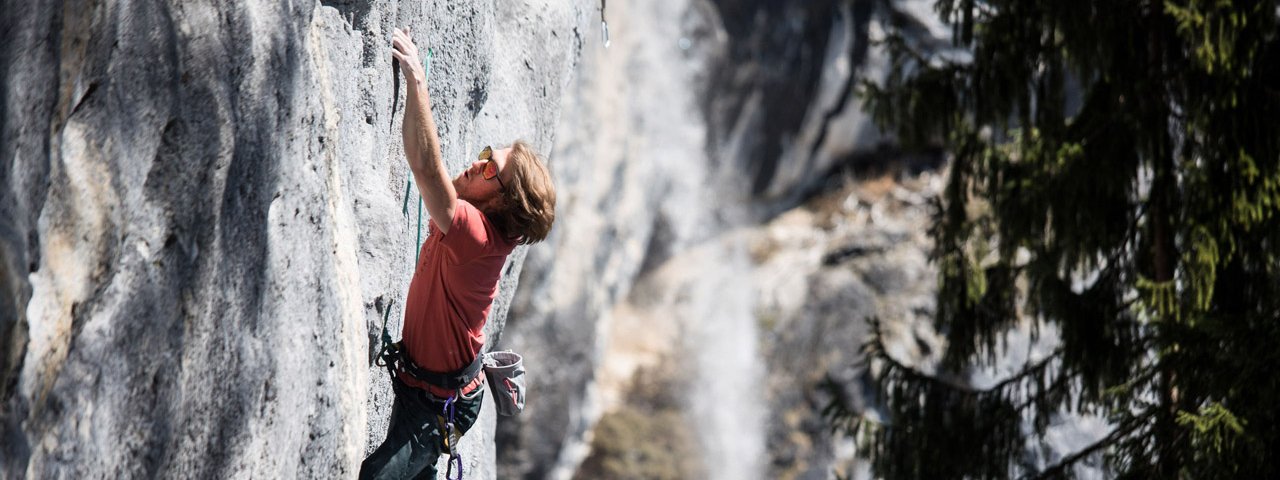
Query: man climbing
504	198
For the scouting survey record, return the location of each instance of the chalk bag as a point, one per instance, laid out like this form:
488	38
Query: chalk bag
505	371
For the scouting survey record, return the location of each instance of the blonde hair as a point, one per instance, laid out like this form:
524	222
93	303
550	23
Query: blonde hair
528	206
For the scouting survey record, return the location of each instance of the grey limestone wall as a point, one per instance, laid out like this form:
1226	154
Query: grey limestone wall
201	221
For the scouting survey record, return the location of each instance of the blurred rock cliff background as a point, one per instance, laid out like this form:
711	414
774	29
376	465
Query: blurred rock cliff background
733	221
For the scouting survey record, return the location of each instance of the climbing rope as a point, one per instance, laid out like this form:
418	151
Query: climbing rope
404	209
390	350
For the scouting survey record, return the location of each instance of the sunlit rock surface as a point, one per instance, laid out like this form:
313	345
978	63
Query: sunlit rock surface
201	221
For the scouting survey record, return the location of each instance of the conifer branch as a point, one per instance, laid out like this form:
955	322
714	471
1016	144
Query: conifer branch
878	351
1127	427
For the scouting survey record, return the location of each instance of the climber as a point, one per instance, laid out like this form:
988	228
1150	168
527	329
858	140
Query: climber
504	198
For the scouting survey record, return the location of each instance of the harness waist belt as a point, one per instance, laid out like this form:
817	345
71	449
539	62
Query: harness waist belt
448	381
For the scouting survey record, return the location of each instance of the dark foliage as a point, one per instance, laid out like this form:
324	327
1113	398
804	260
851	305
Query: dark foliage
1116	177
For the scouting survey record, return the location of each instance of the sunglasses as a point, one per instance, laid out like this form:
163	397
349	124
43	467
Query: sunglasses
490	170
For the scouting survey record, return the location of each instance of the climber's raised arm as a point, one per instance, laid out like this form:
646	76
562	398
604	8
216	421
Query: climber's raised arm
421	141
505	198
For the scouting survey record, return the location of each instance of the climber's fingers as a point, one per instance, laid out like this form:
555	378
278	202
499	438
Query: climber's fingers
404	51
398	44
400	39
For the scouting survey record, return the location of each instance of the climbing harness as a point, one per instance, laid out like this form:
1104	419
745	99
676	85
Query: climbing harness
393	356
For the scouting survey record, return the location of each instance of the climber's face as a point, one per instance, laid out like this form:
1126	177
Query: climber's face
482	183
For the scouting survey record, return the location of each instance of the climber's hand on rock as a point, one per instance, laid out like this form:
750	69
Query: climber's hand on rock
404	51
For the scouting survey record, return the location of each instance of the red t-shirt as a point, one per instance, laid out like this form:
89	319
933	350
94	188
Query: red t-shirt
449	298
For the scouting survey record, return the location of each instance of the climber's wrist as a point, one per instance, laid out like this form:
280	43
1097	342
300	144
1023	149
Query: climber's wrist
420	74
417	83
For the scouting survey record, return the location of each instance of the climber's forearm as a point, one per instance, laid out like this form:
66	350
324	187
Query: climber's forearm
426	163
408	133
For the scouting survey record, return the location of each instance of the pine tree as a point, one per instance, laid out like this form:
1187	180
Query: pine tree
1115	176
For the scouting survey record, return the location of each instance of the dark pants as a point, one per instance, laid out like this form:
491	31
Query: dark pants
414	438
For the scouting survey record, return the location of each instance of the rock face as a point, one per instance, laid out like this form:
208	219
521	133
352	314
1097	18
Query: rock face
203	219
784	106
820	272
